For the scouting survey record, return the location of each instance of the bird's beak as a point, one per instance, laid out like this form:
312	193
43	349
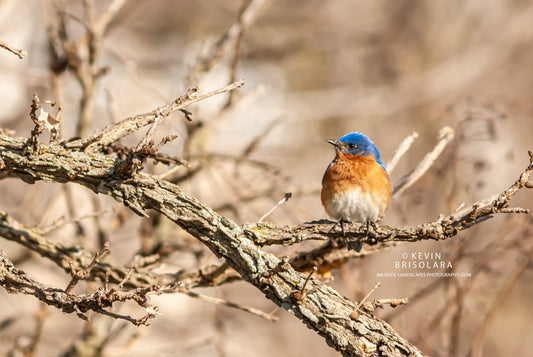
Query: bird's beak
334	143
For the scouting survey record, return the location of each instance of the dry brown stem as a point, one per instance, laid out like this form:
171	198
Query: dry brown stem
114	132
20	53
446	134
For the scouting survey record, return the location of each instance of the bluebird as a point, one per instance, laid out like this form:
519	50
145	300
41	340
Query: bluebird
356	186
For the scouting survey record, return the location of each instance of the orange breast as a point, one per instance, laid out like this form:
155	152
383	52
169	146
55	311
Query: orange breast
348	173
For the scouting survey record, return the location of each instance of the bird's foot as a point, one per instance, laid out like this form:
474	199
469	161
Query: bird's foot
341	223
355	245
370	225
358	245
337	242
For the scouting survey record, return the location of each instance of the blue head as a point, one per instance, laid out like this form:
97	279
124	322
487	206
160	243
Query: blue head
357	144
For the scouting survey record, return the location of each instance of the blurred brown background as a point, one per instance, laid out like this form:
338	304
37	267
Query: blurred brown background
313	70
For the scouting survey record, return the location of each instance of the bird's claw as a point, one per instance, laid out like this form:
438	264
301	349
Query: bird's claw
355	245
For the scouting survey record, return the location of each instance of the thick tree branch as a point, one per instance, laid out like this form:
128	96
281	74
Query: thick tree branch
75	258
324	310
444	228
16	281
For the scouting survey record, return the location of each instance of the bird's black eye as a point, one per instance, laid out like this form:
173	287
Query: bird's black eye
351	145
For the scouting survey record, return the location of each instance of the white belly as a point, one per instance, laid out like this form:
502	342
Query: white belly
355	206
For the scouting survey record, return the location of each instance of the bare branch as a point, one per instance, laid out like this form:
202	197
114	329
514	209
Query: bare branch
16	281
446	134
33	141
74	258
61	221
400	151
129	125
355	314
226	41
372	306
20	53
108	15
85	272
285	198
227	303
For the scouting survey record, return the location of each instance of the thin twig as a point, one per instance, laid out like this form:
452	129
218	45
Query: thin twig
20	53
219	301
219	49
151	312
127	276
250	148
61	221
108	15
282	201
33	141
84	273
302	293
237	52
446	134
400	151
130	125
168	173
231	86
147	139
355	313
372	306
